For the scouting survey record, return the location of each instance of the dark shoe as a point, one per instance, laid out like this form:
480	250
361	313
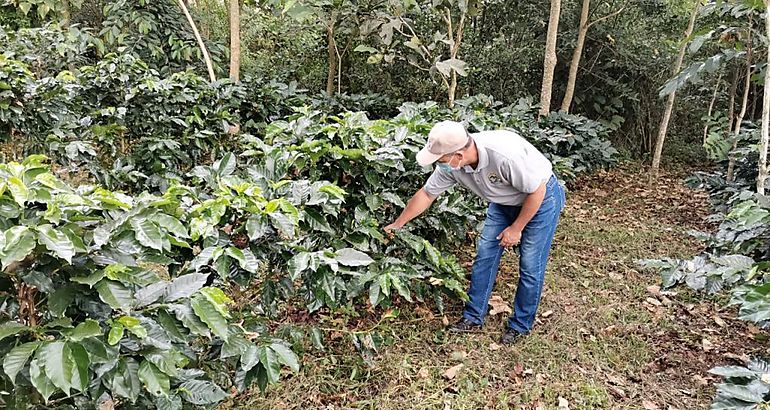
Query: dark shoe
510	337
464	326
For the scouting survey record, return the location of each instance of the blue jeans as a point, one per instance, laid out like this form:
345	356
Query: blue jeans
535	246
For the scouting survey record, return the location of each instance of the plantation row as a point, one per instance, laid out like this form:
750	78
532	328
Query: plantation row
736	260
119	283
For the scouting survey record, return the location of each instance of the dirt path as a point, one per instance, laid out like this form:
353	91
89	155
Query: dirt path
606	337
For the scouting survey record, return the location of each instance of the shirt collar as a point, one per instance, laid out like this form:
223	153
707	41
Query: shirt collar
483	159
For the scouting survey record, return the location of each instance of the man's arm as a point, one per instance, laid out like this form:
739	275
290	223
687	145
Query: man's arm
512	235
414	208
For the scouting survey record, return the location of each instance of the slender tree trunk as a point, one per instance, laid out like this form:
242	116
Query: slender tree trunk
763	167
576	56
711	108
332	57
206	57
549	63
339	67
66	14
454	51
672	97
235	40
744	105
731	102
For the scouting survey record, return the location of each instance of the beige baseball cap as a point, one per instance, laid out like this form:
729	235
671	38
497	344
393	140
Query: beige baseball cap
444	138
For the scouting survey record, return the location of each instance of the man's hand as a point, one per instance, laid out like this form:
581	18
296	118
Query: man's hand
509	237
390	228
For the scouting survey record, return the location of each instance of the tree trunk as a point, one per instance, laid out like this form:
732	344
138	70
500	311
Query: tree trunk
549	63
339	67
711	108
332	57
731	102
66	13
744	105
206	57
672	97
454	51
452	90
576	56
235	40
765	141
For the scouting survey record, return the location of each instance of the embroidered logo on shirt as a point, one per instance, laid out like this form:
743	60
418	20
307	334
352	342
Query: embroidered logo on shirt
494	178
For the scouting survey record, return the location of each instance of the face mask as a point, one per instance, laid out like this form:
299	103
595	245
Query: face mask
447	167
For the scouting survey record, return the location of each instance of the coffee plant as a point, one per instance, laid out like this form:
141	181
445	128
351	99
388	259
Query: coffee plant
744	387
102	296
106	293
147	261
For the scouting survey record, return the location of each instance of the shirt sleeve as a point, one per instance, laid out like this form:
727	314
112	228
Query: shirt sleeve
439	182
527	171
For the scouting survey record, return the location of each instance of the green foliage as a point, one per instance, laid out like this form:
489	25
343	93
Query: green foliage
274	45
136	297
99	297
28	12
15	77
122	121
737	255
50	49
434	50
744	387
156	32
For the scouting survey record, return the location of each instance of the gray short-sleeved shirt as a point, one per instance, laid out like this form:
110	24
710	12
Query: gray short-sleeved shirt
509	169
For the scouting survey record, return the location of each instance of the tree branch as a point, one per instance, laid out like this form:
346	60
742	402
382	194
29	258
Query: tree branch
609	16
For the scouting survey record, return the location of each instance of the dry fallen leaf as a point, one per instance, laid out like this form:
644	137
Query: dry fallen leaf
700	380
654	290
336	336
459	355
563	403
107	405
617	392
719	321
547	313
499	305
445	321
738	357
653	301
707	345
516	374
494	346
618	381
528	372
423	312
451	373
423	373
648	405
